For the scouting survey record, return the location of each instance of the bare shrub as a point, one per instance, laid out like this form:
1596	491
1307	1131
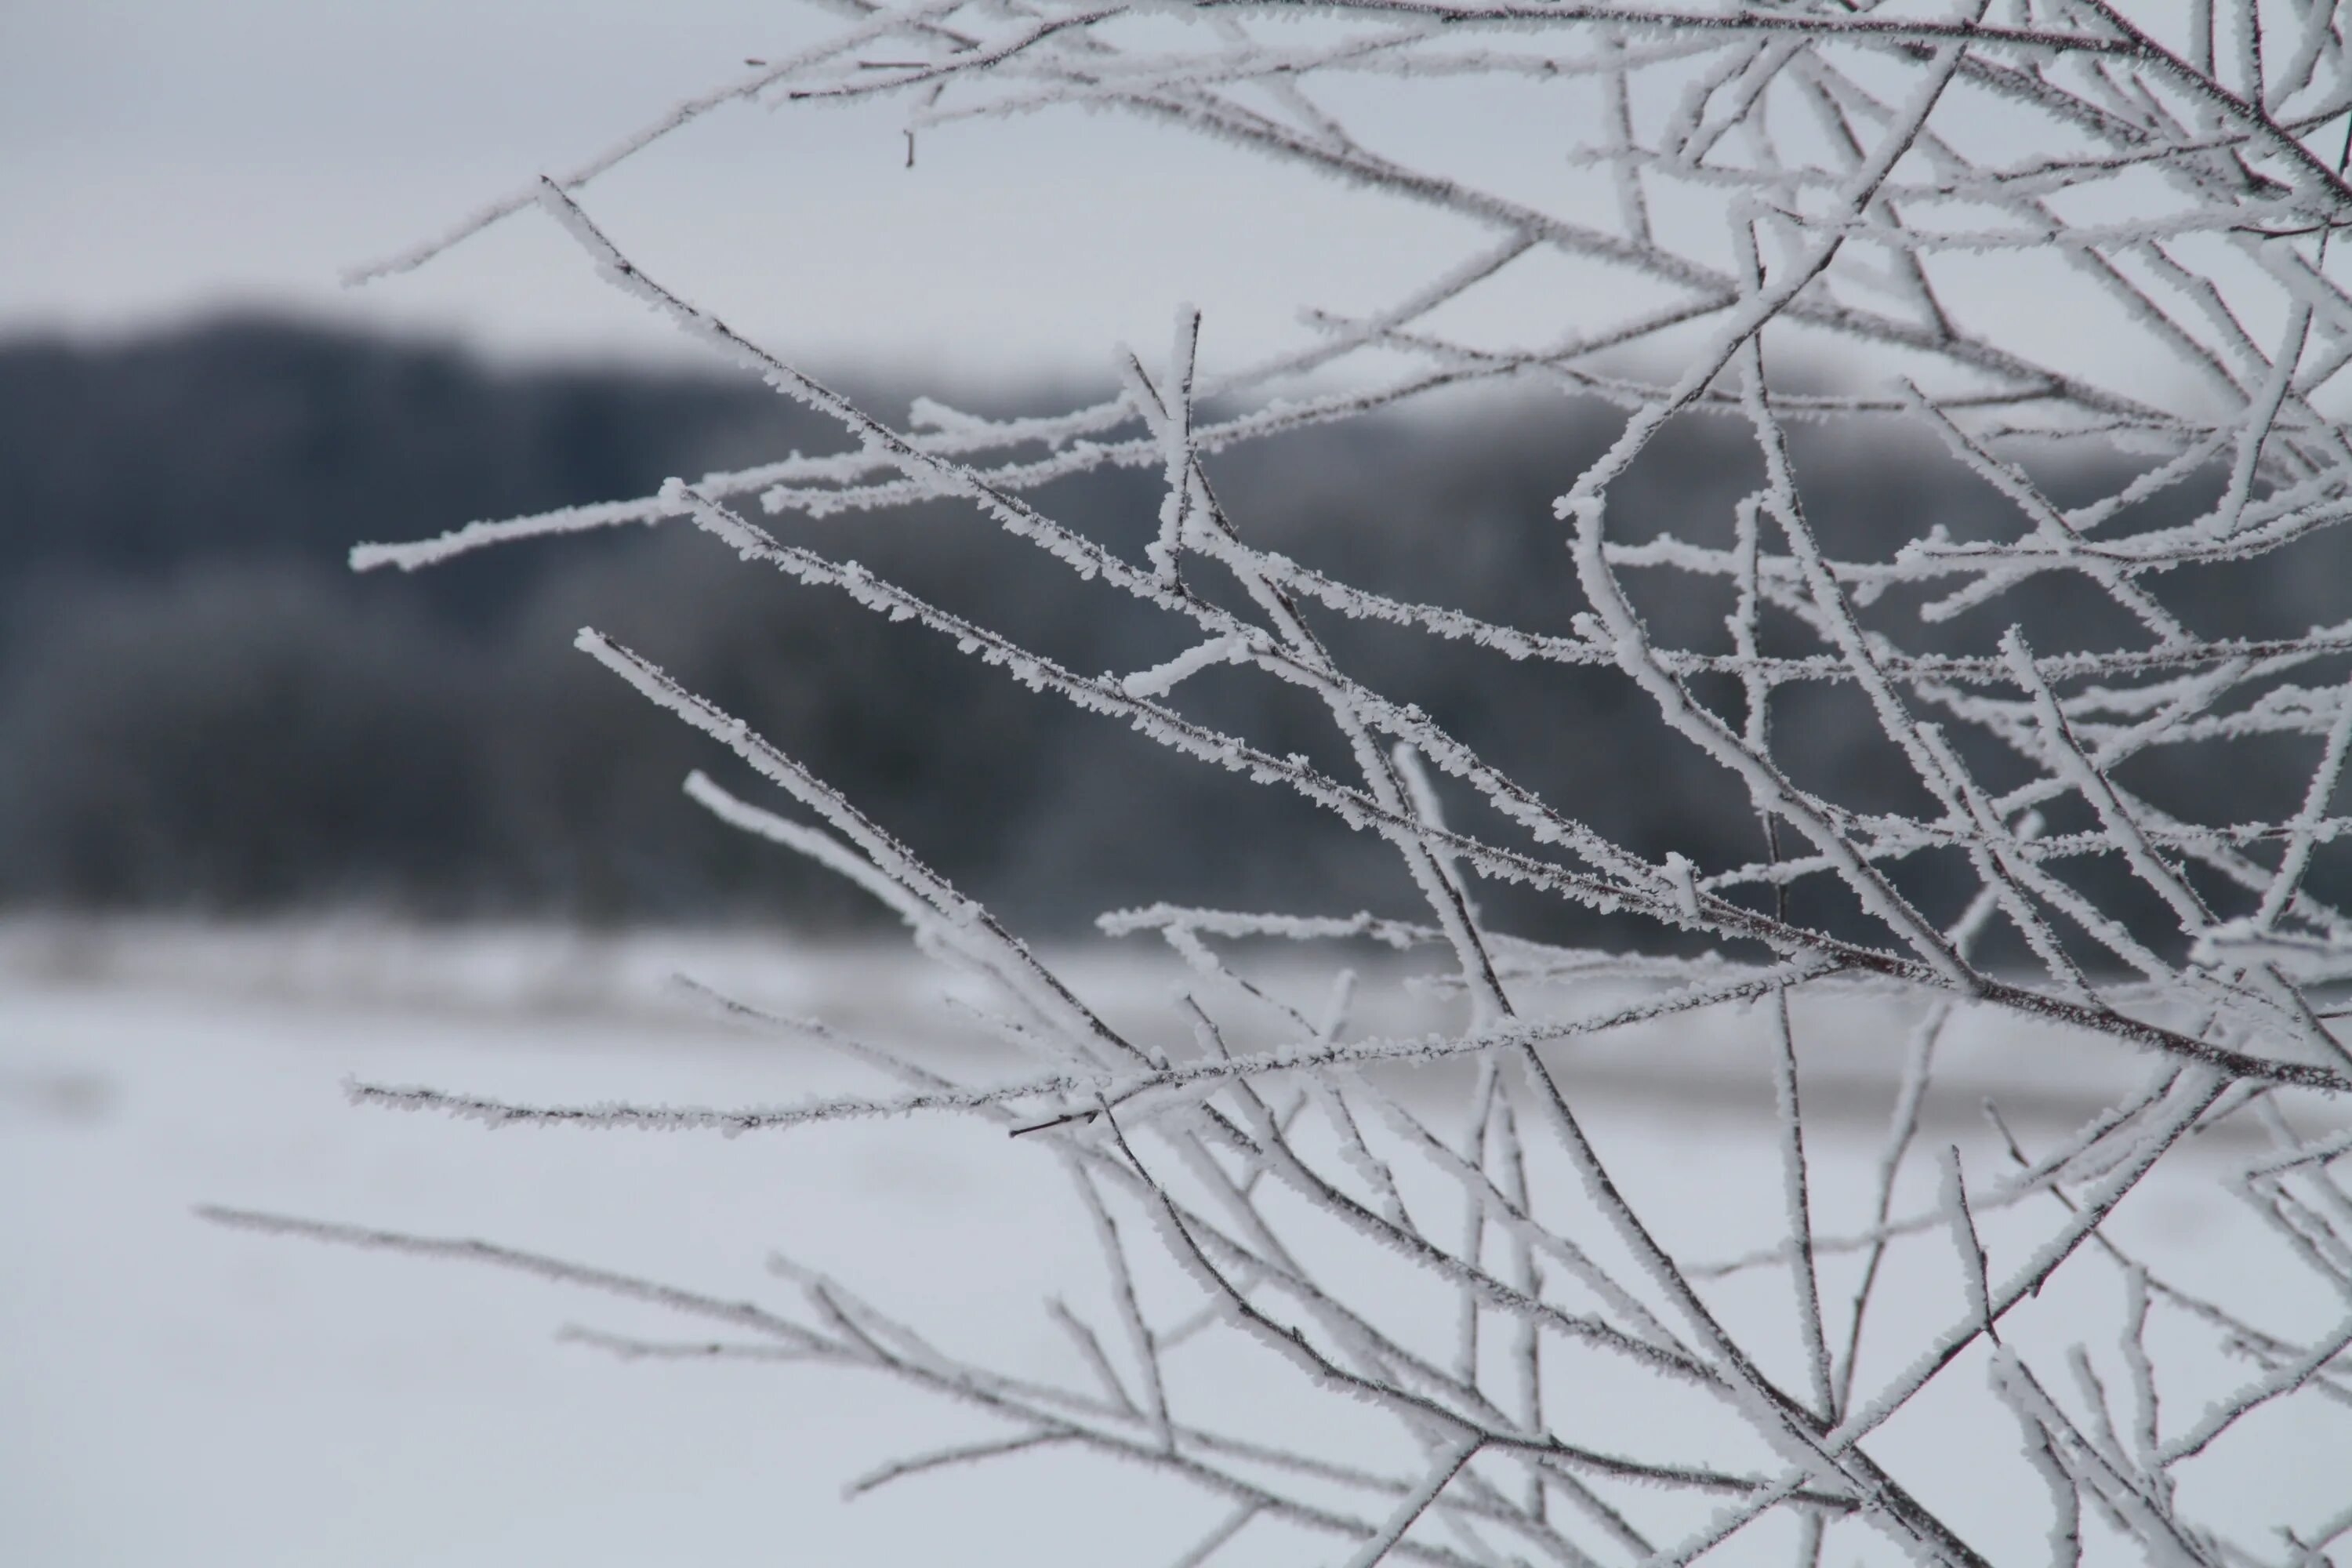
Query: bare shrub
1765	183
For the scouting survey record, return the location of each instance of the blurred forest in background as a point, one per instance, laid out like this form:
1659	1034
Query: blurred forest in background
203	710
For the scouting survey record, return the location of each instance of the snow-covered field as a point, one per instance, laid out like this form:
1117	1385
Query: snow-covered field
172	1392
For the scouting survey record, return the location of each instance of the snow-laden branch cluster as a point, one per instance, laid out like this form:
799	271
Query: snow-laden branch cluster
1764	186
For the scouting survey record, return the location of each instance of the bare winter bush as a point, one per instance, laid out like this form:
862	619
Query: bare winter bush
1942	189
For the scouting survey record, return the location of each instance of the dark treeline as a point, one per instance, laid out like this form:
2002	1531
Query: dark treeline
201	708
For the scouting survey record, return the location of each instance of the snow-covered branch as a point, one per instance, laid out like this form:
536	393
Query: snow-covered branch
1763	185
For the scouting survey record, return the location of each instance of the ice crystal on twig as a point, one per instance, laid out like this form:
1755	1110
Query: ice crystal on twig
1768	183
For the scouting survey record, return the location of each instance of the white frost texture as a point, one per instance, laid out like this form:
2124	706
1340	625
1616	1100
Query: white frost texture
1377	1283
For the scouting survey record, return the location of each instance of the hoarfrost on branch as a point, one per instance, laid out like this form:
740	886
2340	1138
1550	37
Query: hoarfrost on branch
1771	185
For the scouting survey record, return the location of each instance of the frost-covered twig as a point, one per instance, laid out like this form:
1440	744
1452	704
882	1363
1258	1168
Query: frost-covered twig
2004	852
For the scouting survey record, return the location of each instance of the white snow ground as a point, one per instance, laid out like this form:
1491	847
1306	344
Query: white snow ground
173	1393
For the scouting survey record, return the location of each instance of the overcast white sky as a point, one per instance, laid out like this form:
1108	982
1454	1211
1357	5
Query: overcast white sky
157	158
160	157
